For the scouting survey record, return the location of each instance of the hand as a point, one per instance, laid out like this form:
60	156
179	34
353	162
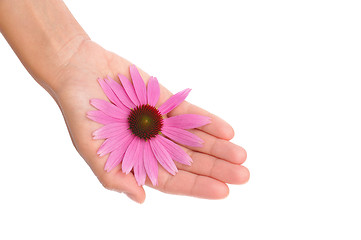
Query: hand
218	162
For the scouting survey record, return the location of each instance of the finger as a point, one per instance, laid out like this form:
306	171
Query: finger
189	184
219	148
218	127
210	166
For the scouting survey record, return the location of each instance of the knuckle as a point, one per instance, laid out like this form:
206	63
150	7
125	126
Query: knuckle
164	185
107	184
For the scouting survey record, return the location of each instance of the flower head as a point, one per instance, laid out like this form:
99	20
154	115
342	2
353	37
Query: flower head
139	135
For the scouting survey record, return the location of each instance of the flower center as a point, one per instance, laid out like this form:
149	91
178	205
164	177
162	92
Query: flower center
145	121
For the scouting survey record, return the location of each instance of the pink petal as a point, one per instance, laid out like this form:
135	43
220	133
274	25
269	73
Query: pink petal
186	121
182	136
129	89
132	155
116	142
139	84
114	159
162	155
122	147
110	130
100	117
109	109
153	91
120	93
139	170
175	151
173	101
109	93
150	164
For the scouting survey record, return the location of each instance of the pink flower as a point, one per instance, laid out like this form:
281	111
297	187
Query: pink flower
137	134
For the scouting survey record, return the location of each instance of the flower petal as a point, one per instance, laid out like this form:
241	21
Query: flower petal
131	155
186	121
182	136
109	109
139	170
120	92
114	159
150	164
173	101
100	117
116	156
162	155
153	91
110	93
113	143
175	151
139	84
110	130
129	89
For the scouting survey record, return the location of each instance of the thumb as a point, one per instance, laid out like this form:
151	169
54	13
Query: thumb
118	181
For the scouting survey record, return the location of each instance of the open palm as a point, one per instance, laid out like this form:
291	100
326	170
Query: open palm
218	162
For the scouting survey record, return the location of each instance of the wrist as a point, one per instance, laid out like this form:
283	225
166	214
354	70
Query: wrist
62	55
43	34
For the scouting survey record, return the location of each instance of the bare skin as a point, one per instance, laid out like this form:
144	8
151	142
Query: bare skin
75	63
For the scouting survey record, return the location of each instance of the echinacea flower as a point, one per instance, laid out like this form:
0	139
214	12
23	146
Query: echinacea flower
138	134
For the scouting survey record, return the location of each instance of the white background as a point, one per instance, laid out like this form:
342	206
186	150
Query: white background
285	74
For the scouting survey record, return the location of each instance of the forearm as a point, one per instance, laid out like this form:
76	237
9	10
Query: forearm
43	34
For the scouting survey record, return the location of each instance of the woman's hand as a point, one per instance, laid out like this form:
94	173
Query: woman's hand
63	60
218	162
